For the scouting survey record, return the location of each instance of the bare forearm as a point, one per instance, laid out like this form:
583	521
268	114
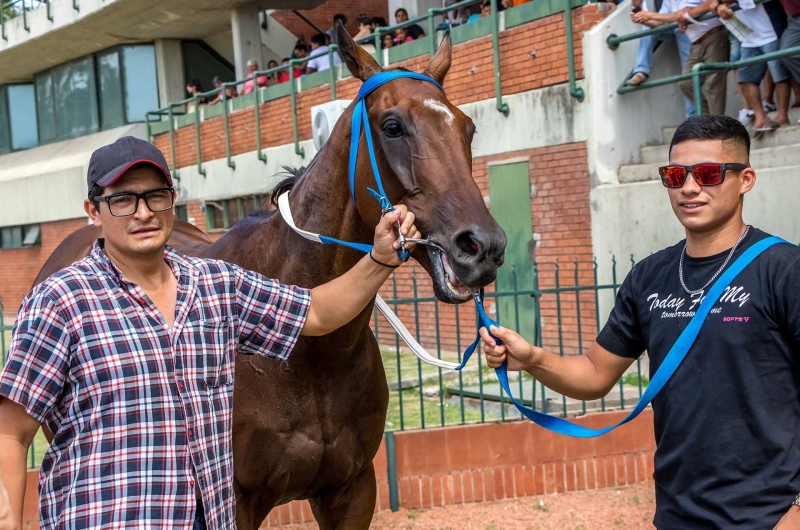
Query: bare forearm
13	472
337	302
575	376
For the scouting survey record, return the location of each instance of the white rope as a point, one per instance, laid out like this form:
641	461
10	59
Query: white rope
391	317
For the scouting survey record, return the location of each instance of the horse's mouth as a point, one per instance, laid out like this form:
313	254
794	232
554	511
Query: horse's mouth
446	284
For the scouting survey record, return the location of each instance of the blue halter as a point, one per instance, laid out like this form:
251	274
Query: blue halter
360	118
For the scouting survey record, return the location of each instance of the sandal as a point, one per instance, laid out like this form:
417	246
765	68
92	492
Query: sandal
770	126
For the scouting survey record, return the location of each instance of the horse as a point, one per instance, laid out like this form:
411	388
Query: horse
309	427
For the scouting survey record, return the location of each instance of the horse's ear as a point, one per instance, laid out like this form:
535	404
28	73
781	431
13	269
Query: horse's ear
359	62
440	64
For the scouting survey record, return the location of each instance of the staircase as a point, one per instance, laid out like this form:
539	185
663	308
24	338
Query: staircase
777	149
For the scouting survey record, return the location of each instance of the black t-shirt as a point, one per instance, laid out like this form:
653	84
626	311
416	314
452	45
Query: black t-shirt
414	31
727	423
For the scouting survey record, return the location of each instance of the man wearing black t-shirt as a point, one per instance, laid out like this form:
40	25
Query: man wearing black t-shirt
727	424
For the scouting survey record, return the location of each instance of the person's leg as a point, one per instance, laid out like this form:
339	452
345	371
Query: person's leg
695	56
717	49
644	56
768	92
684	45
780	75
791	39
750	78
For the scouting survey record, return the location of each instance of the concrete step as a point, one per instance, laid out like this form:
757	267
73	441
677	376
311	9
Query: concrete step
766	157
659	154
668	132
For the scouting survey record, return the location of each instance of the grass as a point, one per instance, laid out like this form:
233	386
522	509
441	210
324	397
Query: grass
633	379
409	365
432	408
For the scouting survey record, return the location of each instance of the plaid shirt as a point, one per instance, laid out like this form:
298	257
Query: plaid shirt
134	406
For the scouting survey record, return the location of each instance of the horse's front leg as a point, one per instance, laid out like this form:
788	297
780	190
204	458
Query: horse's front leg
349	507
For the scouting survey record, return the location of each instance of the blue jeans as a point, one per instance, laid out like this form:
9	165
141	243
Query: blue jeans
644	57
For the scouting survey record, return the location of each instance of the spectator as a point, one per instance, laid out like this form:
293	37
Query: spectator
301	41
217	82
760	41
668	12
791	36
252	67
364	27
710	44
273	77
331	33
456	17
284	75
378	22
414	30
387	41
486	8
400	36
319	55
192	88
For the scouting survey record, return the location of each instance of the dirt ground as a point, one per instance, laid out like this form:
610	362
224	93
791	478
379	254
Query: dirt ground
628	508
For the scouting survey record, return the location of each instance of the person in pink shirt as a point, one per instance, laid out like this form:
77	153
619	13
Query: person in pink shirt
401	36
252	67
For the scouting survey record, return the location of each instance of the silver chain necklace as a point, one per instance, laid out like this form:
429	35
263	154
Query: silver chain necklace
730	255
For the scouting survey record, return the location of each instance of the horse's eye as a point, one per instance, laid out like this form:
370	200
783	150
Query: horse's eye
392	129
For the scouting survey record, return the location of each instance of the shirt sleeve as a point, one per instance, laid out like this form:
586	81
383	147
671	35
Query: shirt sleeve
38	359
622	334
787	306
271	315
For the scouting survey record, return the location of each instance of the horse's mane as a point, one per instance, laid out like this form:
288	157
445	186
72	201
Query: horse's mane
284	186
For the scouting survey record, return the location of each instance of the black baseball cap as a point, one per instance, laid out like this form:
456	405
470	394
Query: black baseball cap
111	161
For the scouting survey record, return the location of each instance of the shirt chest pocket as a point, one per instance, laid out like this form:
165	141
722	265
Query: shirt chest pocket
212	351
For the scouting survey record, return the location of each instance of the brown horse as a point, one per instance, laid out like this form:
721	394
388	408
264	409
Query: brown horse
309	428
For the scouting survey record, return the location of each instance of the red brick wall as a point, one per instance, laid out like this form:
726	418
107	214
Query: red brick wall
19	267
322	15
471	78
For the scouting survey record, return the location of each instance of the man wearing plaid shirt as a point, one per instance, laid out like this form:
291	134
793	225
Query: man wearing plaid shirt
127	356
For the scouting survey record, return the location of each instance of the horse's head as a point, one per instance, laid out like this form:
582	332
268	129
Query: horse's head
422	146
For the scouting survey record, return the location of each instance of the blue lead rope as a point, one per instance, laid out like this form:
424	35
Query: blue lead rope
668	367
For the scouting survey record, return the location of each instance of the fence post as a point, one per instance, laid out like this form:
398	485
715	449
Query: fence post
197	135
75	6
574	90
293	93
174	167
498	91
225	110
49	13
394	501
261	156
332	68
697	89
25	17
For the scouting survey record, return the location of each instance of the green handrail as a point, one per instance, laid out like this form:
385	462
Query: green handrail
574	90
49	13
699	69
613	41
197	136
225	103
3	25
501	107
25	18
147	128
257	116
75	5
331	49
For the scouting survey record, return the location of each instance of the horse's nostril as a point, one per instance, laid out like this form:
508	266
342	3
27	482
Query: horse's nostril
468	243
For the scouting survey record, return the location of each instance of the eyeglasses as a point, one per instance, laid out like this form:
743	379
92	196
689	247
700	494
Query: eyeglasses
706	173
127	202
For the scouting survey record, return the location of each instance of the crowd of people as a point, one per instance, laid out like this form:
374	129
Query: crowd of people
316	51
750	31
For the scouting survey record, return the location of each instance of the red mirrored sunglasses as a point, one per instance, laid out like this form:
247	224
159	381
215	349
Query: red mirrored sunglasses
705	173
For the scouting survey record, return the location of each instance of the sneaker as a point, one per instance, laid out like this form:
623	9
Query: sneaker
745	116
637	79
769	106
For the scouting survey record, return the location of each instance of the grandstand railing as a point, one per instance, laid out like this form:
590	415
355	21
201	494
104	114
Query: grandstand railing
537	9
699	71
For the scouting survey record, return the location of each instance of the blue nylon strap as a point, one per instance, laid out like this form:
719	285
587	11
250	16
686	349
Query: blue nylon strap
668	367
363	247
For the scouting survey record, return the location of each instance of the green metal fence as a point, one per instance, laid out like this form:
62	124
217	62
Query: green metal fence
566	316
177	117
699	71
